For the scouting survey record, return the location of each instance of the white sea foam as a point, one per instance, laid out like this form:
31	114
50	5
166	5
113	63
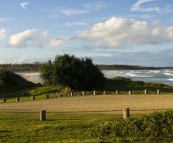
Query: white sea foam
170	74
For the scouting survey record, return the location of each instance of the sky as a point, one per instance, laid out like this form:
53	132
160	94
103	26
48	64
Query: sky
126	32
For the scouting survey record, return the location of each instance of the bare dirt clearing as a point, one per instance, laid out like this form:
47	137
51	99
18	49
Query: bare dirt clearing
98	103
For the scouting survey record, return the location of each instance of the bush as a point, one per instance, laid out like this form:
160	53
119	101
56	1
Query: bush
155	125
69	71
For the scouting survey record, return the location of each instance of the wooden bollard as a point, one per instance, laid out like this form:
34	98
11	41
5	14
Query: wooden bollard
3	99
158	91
83	93
71	94
126	112
104	92
32	97
17	99
47	96
130	92
94	93
145	91
60	95
117	92
42	115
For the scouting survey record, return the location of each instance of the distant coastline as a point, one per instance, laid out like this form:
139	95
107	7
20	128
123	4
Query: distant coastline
129	67
35	67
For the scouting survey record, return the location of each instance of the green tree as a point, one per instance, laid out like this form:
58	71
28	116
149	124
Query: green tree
68	71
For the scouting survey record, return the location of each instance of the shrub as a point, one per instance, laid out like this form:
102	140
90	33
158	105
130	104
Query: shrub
157	124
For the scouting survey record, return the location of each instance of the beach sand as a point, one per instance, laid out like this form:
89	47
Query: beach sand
30	76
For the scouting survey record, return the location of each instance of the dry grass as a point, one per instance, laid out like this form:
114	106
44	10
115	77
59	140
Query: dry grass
99	103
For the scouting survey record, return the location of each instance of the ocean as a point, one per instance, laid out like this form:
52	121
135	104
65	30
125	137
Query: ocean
164	76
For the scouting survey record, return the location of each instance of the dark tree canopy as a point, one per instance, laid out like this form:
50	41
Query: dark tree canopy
69	71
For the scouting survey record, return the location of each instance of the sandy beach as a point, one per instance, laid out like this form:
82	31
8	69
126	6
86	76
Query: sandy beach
30	76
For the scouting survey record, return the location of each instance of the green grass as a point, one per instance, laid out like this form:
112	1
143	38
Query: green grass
59	128
65	128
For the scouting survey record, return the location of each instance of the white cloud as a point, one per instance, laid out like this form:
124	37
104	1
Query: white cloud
59	12
26	39
75	24
2	34
95	5
5	19
23	4
121	32
137	7
71	12
1	61
21	60
58	41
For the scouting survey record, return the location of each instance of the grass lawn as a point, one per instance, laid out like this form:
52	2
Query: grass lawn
58	128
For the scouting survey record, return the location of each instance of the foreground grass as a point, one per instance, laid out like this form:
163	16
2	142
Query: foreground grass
58	128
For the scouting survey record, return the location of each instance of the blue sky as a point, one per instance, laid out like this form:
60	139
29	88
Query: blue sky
129	32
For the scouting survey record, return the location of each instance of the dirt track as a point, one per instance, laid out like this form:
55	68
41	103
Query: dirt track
98	103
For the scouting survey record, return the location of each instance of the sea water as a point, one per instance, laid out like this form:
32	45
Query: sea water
164	76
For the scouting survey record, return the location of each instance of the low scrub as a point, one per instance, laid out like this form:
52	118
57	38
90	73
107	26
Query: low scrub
158	125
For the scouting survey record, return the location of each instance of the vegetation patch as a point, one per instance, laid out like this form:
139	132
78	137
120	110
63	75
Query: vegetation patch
157	127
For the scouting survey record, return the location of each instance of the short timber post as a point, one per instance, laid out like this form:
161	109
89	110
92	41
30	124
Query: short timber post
83	93
117	92
126	112
71	93
60	95
17	99
3	99
47	96
146	91
42	115
130	92
32	97
104	92
94	93
158	91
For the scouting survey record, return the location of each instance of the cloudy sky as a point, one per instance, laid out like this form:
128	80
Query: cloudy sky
129	32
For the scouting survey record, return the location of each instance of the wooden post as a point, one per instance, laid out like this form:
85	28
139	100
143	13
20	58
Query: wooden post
17	99
126	112
104	92
3	99
42	115
47	96
83	93
94	93
158	91
32	97
130	92
117	92
60	95
71	94
146	91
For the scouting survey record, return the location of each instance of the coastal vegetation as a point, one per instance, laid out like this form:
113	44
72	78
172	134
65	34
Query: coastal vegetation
68	71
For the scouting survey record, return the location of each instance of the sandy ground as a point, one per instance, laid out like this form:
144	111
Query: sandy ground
98	103
31	76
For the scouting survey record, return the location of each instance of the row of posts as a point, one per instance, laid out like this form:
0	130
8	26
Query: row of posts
83	93
126	114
